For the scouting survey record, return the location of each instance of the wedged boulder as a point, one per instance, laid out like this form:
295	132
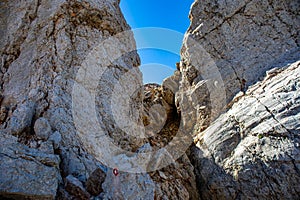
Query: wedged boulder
94	182
173	180
42	128
75	188
21	118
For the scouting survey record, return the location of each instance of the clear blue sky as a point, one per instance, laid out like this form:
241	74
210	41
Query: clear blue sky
172	17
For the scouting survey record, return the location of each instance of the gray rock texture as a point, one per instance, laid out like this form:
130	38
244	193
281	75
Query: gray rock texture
55	138
42	128
54	56
43	45
162	124
252	151
128	186
245	38
230	45
25	172
74	187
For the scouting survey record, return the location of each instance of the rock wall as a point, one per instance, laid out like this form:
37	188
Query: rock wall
252	151
247	138
43	46
232	44
68	74
245	38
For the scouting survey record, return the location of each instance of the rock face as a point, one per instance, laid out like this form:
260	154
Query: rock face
43	45
55	55
245	38
251	151
233	44
27	173
128	186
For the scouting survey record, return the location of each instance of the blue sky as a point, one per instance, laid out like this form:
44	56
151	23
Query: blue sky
158	52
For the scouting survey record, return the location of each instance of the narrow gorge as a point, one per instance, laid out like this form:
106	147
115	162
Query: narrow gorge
76	121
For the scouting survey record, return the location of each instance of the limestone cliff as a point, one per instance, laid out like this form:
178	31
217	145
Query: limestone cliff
252	151
72	107
43	45
231	45
247	138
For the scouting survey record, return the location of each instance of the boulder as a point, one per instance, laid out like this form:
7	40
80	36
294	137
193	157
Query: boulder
42	128
94	182
74	187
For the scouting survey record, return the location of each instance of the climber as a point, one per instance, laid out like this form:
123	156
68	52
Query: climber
115	172
116	184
